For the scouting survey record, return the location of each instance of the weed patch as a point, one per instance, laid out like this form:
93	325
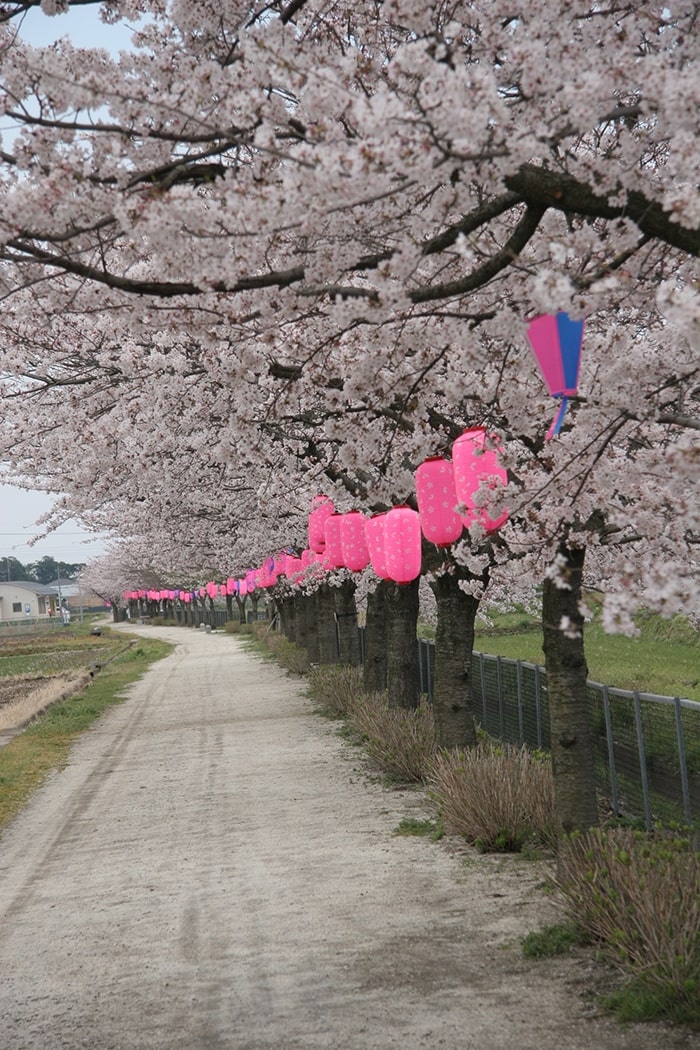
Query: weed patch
552	940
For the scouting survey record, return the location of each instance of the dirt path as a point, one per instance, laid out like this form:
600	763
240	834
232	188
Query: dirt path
214	869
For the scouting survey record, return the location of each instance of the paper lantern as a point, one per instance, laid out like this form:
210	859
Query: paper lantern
294	568
402	544
321	509
477	467
556	342
374	536
308	557
353	541
333	551
243	587
437	499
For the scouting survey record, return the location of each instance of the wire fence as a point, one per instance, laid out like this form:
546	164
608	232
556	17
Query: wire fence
647	747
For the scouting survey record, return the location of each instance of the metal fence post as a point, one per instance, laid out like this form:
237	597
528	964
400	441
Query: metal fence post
642	759
611	750
682	761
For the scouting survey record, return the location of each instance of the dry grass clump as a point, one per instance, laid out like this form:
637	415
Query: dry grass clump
335	688
402	741
286	652
638	896
496	796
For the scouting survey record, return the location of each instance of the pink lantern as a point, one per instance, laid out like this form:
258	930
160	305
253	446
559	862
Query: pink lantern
353	541
437	499
374	536
308	557
243	587
294	568
333	551
321	509
230	585
250	580
556	342
402	544
476	467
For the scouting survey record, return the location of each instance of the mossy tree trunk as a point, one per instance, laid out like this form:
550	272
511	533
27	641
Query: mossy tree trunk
569	712
454	642
403	677
346	617
374	669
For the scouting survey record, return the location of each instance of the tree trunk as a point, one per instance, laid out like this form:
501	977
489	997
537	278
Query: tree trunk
301	628
454	642
346	617
403	676
240	602
569	714
313	647
287	613
325	625
374	671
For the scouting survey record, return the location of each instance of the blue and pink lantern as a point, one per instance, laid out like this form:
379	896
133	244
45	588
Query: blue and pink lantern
556	343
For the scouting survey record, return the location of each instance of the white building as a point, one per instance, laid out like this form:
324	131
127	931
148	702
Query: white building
25	600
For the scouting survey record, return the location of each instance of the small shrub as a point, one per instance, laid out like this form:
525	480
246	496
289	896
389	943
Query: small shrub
638	896
232	627
401	741
497	797
335	688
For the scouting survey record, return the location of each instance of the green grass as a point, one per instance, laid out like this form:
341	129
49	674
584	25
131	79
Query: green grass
44	746
552	940
665	659
411	826
636	1002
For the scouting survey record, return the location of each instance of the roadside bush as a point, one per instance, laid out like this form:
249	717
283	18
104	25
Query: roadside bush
286	652
638	896
496	796
335	688
402	741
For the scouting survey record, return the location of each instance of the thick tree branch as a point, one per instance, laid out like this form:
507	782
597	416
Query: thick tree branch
549	189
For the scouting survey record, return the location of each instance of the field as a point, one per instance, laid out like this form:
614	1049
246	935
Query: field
664	659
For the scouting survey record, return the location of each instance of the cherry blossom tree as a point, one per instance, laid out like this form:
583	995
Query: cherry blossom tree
280	248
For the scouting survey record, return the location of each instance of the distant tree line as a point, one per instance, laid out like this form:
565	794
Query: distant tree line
44	571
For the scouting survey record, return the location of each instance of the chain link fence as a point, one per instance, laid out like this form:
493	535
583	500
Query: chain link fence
647	746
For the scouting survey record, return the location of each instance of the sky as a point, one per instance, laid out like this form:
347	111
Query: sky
19	509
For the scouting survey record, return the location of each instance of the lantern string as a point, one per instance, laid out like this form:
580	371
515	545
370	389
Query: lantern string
558	419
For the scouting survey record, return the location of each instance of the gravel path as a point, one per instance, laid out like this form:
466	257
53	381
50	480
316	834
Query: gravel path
215	869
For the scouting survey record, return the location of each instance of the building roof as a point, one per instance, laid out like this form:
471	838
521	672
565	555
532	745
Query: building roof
30	585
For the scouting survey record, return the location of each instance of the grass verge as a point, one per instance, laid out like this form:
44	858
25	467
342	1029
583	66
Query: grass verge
44	745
